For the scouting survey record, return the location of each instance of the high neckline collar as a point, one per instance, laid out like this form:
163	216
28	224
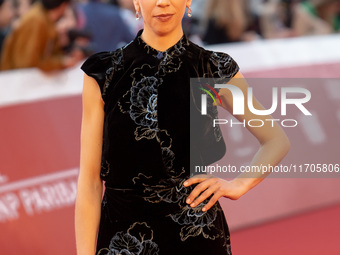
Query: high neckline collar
178	47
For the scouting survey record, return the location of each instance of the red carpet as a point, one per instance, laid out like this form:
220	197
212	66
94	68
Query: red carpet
311	233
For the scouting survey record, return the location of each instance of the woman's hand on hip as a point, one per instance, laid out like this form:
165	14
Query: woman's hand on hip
211	185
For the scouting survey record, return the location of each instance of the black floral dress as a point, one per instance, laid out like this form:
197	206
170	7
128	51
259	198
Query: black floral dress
145	157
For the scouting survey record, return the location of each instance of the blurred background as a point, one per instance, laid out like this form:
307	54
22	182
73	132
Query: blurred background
44	42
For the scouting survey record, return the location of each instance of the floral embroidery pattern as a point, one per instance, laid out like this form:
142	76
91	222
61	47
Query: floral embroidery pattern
136	241
141	101
227	68
105	168
171	190
171	61
196	222
168	157
117	64
143	109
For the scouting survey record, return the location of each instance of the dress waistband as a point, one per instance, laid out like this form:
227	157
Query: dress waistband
121	189
152	201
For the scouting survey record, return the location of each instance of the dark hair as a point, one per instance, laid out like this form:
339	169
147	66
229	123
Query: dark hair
1	2
52	4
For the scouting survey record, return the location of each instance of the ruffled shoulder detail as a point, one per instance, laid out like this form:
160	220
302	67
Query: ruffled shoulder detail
103	66
226	66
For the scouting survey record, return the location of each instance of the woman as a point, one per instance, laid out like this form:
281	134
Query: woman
135	101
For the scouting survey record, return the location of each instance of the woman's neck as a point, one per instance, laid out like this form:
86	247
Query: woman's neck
161	42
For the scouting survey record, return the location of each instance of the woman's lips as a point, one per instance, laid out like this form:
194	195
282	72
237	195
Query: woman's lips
164	17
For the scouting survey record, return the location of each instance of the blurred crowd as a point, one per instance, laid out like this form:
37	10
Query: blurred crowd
57	34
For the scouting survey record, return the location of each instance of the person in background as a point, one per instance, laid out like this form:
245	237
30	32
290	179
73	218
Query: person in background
34	42
106	26
276	19
71	33
226	21
6	17
65	24
316	17
21	8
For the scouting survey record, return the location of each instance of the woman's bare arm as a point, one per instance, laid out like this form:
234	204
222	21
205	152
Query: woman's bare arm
274	145
90	186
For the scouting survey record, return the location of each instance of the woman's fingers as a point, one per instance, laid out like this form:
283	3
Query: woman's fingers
211	202
208	186
204	184
211	186
196	179
212	189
